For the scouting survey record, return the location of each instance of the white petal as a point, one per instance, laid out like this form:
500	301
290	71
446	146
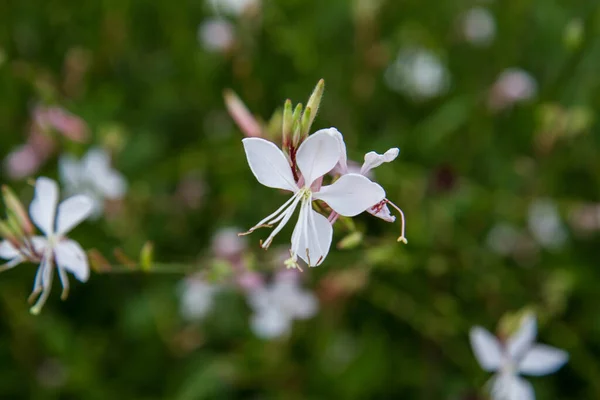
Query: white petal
486	348
312	235
43	205
270	324
39	244
521	341
318	154
343	161
268	164
96	161
511	387
69	170
8	251
113	185
374	160
72	211
383	213
542	360
351	194
70	256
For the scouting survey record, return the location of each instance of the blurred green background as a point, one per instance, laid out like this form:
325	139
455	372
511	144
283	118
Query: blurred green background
477	159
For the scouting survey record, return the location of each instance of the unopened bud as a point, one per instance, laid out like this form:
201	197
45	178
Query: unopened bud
147	256
287	124
313	103
296	125
14	204
98	263
351	241
241	115
274	126
305	123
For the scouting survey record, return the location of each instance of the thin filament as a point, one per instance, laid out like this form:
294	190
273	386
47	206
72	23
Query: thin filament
402	238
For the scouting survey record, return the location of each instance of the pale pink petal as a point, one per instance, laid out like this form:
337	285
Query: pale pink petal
43	206
318	154
542	360
69	170
351	194
521	341
312	236
70	256
382	212
486	348
268	164
72	211
374	160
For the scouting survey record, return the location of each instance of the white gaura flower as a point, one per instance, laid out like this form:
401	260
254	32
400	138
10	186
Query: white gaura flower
317	155
92	176
54	250
372	161
197	298
519	355
276	306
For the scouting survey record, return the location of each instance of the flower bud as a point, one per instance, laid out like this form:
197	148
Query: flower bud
16	207
313	103
287	125
296	128
147	256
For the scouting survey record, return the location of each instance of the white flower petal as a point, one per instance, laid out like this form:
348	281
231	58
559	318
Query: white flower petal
69	171
351	194
486	348
542	360
96	161
113	185
318	154
343	161
270	324
72	211
43	206
374	160
268	164
511	387
8	251
70	256
312	236
521	341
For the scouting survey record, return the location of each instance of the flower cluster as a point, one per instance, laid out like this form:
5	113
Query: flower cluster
300	168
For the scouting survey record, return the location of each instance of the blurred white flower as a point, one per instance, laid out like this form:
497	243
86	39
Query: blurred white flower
227	244
276	306
514	85
479	26
196	298
418	73
92	176
216	34
54	249
233	7
520	355
545	224
503	239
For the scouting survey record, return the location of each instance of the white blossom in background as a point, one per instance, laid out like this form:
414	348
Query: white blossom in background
54	250
418	73
196	298
277	305
503	239
216	35
545	224
92	176
234	8
227	244
512	86
479	26
317	155
519	355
